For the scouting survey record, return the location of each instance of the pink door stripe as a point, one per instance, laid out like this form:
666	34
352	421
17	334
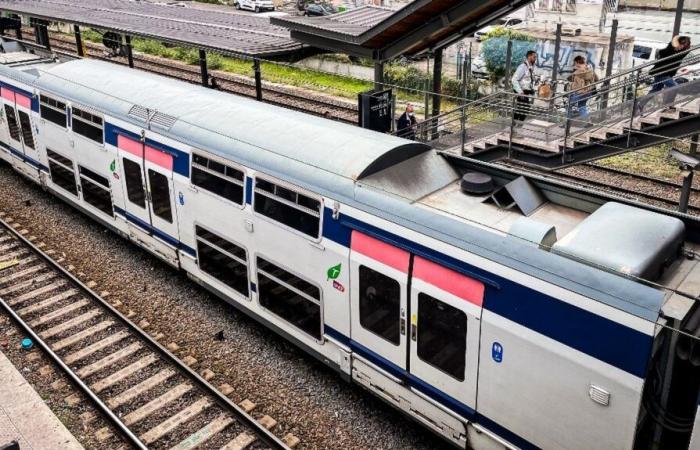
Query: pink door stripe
23	101
380	251
130	145
7	94
448	280
162	159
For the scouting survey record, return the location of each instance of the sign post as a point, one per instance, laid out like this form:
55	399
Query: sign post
375	110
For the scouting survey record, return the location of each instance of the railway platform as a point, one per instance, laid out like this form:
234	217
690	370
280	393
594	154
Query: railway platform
24	416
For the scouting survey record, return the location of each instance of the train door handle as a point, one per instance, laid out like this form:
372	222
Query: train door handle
403	326
414	332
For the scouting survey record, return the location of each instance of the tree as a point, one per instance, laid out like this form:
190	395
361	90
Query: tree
494	47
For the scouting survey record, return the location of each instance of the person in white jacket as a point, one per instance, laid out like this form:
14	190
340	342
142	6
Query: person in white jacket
523	83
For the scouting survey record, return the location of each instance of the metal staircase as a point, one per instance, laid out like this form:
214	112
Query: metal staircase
554	135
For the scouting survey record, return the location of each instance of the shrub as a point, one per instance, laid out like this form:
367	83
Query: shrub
494	46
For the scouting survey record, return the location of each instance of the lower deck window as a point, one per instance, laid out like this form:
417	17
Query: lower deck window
223	260
62	173
442	335
96	190
289	297
380	298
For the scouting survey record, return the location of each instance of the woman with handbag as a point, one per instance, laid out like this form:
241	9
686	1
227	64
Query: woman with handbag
581	90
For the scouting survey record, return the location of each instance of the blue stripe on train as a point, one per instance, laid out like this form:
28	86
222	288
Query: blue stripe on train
181	160
429	390
145	226
611	342
25	158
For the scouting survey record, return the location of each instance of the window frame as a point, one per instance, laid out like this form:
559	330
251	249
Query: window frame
18	127
420	292
89	179
295	189
197	238
50	160
321	340
43	105
225	162
77	117
24	130
359	309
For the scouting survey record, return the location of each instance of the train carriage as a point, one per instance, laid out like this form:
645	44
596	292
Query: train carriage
463	311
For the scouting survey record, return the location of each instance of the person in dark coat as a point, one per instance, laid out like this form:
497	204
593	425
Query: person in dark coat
664	71
406	125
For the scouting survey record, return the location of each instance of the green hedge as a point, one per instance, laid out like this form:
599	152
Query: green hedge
414	78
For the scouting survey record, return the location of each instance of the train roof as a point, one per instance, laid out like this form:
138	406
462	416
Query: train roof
384	175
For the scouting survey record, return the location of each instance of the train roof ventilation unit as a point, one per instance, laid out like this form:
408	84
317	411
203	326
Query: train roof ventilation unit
164	121
476	183
625	239
139	112
518	193
534	233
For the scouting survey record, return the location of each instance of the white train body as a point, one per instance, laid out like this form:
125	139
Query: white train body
298	221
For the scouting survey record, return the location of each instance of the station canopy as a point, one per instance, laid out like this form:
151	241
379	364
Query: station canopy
382	34
207	29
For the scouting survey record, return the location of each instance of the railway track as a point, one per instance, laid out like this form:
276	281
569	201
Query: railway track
154	399
240	85
637	176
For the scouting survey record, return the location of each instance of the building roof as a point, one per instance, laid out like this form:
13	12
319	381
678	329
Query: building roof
381	34
240	34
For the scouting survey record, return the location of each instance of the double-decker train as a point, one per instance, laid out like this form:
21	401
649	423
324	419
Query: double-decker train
498	310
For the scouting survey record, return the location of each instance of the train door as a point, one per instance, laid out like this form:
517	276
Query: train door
24	108
147	177
10	113
379	293
445	332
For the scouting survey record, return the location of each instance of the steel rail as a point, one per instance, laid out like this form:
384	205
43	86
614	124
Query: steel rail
261	432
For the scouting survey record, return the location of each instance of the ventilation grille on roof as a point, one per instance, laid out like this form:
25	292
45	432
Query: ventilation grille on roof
163	120
139	112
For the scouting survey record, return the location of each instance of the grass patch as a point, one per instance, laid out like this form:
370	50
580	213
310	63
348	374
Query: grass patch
652	161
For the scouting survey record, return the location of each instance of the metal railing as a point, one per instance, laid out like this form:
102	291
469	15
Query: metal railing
554	124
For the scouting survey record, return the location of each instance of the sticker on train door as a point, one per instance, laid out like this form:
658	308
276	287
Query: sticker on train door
497	352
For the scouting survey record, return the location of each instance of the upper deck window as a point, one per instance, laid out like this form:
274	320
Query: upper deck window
289	207
53	110
87	124
220	179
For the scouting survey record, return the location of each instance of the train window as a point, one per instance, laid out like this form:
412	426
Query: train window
88	125
442	336
12	124
96	190
134	183
223	260
53	110
160	195
27	132
289	297
298	211
380	298
218	178
62	173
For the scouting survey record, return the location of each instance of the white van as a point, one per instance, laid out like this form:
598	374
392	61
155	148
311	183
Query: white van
646	51
254	5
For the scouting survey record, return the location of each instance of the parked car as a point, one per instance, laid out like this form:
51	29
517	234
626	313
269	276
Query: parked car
506	22
319	9
254	5
646	51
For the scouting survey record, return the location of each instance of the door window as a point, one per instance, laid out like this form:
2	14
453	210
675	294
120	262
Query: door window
12	122
160	195
380	298
134	183
442	336
96	190
27	132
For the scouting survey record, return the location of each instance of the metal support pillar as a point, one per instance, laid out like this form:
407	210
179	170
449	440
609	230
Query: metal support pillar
679	17
463	118
509	62
685	191
437	89
129	52
557	49
203	68
609	64
258	79
693	145
18	31
78	40
378	75
426	99
468	65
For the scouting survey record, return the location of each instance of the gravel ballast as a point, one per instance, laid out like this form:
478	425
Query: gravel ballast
306	398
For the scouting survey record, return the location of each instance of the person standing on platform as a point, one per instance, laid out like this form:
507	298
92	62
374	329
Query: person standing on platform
523	83
664	71
406	125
